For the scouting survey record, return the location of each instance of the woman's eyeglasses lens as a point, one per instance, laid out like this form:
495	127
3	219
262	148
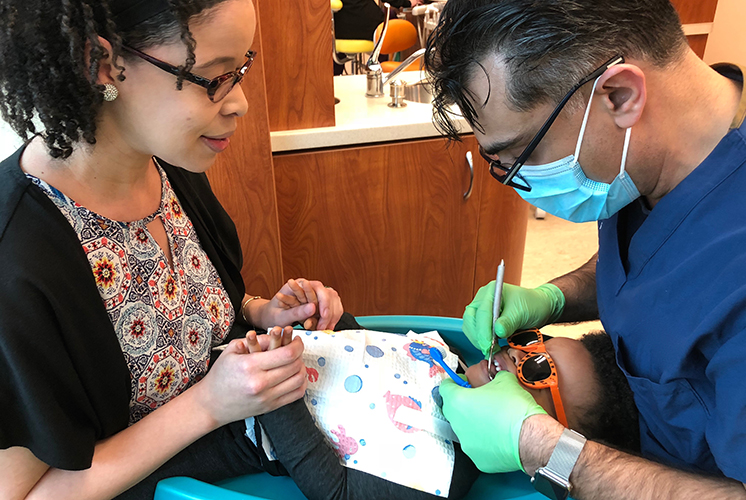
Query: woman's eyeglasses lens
223	88
222	85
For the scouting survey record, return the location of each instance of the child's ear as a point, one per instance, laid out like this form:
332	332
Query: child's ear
623	93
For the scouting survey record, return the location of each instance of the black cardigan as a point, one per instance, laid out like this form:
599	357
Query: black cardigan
63	380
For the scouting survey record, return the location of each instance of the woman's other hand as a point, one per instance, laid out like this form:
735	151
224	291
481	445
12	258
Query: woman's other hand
311	303
249	378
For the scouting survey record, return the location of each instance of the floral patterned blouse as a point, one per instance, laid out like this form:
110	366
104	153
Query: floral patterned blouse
167	318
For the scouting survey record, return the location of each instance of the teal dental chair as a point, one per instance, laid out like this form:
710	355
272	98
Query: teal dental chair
515	485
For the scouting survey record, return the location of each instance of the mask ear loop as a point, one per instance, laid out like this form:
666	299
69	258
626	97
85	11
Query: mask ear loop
627	134
585	120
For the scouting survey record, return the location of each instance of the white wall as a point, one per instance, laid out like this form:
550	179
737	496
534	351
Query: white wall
9	141
727	40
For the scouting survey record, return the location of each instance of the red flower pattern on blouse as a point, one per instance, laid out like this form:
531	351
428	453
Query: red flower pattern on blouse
137	328
169	288
164	380
104	272
141	236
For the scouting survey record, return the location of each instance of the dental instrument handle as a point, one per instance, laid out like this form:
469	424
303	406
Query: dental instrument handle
438	358
496	310
498	291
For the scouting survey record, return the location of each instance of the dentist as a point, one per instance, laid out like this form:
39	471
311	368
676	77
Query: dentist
599	110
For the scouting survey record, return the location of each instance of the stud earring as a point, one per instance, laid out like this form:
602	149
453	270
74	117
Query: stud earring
110	92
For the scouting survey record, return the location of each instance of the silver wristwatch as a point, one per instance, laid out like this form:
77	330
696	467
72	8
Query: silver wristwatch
553	480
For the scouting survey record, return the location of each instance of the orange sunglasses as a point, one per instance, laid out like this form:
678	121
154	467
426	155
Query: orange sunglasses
537	369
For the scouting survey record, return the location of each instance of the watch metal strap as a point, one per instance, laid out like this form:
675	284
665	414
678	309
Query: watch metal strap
566	453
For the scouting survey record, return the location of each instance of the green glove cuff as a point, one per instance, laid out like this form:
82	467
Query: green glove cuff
558	300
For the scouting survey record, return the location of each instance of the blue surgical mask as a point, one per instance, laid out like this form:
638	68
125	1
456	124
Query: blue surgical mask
562	189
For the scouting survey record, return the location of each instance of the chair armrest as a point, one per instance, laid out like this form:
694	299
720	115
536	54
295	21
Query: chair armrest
187	488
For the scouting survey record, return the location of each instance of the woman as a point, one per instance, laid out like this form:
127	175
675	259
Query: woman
120	268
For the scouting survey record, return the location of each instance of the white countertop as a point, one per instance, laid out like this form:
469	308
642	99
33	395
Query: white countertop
364	120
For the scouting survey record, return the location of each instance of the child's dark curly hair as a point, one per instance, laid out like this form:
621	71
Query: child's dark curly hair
613	420
43	69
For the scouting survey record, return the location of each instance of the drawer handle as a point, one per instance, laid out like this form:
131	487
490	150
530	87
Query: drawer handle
470	162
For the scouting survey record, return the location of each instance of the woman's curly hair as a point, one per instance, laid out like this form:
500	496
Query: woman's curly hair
44	73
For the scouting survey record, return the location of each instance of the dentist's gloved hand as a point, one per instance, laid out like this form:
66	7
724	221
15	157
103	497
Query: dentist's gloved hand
488	420
521	308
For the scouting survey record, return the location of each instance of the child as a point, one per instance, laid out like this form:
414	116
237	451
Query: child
595	395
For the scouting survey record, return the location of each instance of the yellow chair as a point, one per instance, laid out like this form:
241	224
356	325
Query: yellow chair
353	49
400	35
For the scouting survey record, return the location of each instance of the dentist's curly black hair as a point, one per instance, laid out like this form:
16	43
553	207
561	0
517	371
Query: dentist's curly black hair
44	75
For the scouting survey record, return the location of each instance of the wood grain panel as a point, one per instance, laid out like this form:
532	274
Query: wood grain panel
386	226
695	11
243	181
503	220
698	44
297	44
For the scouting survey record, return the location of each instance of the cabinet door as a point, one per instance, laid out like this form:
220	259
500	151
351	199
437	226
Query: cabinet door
501	235
696	14
387	226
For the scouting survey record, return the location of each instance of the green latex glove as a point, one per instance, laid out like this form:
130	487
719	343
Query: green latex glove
488	420
521	308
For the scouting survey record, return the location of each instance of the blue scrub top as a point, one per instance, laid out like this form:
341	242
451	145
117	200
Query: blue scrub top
674	305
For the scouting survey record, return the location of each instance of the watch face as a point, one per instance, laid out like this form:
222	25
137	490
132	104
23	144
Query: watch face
547	487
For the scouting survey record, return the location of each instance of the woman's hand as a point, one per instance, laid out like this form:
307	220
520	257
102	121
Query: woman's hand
317	307
247	380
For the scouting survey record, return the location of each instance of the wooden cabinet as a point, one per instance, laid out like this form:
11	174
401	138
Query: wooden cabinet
297	45
389	228
697	17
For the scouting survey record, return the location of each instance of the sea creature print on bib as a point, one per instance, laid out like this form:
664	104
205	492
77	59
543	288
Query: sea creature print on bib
420	351
393	402
345	445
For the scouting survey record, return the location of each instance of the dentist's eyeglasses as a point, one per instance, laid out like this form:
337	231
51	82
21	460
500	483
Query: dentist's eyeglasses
499	172
508	174
217	88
